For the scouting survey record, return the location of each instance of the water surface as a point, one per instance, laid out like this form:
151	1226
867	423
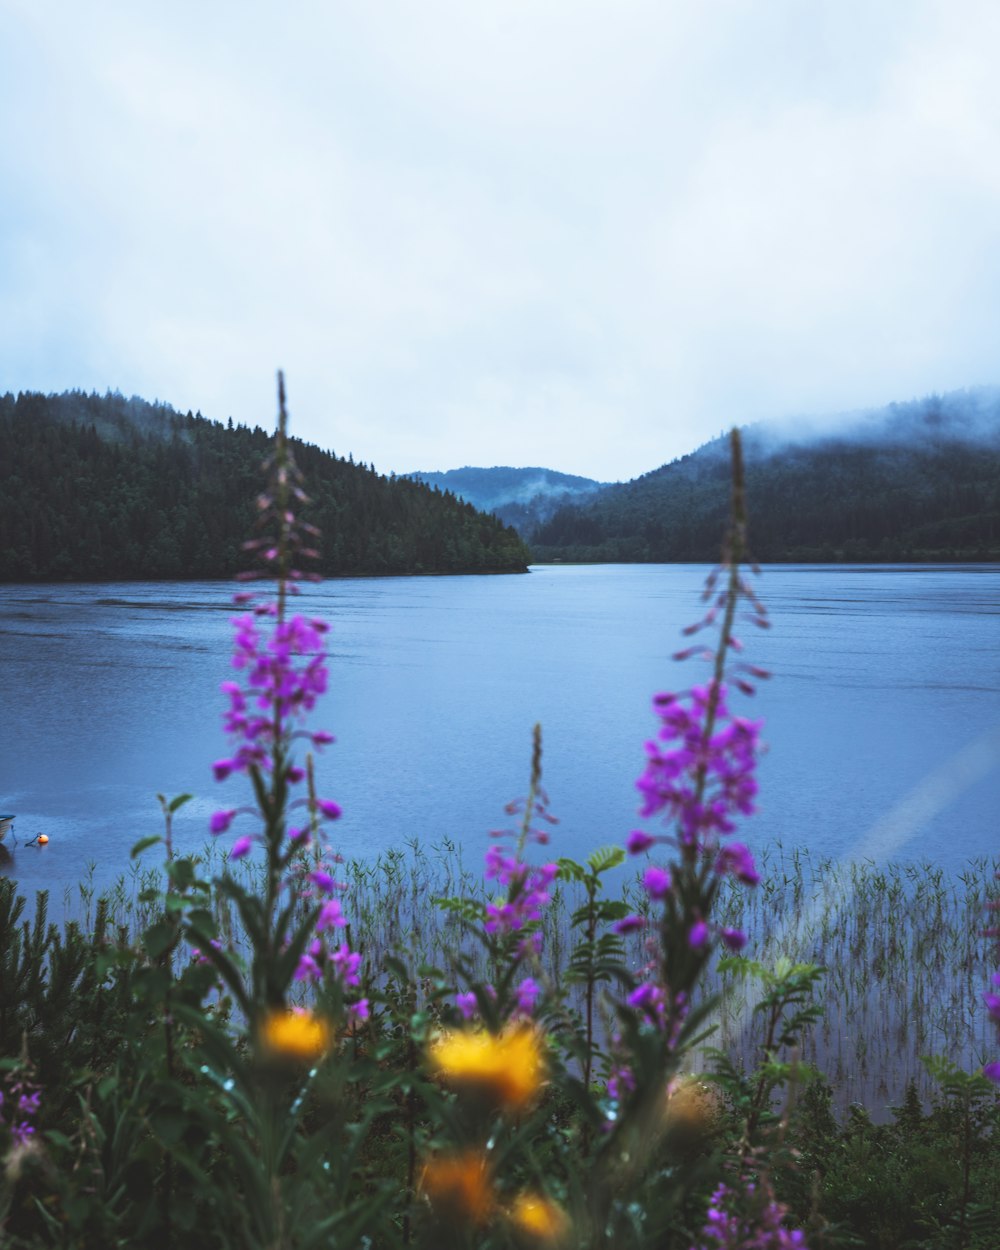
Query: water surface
882	675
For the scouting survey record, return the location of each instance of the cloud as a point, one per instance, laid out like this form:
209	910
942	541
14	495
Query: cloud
580	235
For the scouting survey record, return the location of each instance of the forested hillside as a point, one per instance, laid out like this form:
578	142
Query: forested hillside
98	487
523	498
917	481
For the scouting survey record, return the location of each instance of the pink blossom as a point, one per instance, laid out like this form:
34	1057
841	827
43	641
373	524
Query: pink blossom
630	924
221	820
736	859
657	882
467	1004
650	1000
359	1011
346	963
331	916
527	995
637	842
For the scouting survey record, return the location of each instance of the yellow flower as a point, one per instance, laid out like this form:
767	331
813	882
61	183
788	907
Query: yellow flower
539	1217
691	1112
296	1033
459	1186
508	1067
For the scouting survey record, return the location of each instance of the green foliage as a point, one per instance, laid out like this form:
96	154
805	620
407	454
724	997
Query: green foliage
927	1180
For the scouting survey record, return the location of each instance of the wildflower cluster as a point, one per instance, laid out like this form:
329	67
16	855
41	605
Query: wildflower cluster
699	778
493	1074
19	1106
706	777
745	1219
282	660
511	922
507	1068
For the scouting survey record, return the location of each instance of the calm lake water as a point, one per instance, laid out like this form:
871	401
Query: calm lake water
883	708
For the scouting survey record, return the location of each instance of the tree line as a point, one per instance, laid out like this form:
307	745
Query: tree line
103	487
932	497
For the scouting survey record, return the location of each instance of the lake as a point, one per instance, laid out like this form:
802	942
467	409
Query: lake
881	718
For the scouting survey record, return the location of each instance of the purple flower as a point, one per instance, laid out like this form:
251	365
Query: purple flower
630	924
699	780
21	1104
528	891
637	842
698	935
359	1011
221	820
467	1004
621	1081
657	882
650	1000
527	995
734	939
345	964
331	916
28	1104
331	810
736	859
198	956
241	847
742	1222
308	967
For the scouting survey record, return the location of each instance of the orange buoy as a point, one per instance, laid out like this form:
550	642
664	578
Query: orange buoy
43	838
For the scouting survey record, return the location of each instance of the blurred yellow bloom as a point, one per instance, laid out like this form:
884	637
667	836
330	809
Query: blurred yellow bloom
296	1034
539	1217
692	1109
508	1067
459	1186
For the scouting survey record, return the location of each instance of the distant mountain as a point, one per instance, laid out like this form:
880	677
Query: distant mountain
102	487
914	481
523	498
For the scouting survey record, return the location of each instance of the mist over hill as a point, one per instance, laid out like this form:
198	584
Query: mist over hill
98	487
912	481
523	498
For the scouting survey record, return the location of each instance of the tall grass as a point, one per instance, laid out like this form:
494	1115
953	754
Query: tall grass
899	941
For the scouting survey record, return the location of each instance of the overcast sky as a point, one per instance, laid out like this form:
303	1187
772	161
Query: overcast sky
586	234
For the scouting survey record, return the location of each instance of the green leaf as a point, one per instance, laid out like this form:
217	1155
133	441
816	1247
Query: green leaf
159	937
606	858
144	843
181	873
178	802
570	870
